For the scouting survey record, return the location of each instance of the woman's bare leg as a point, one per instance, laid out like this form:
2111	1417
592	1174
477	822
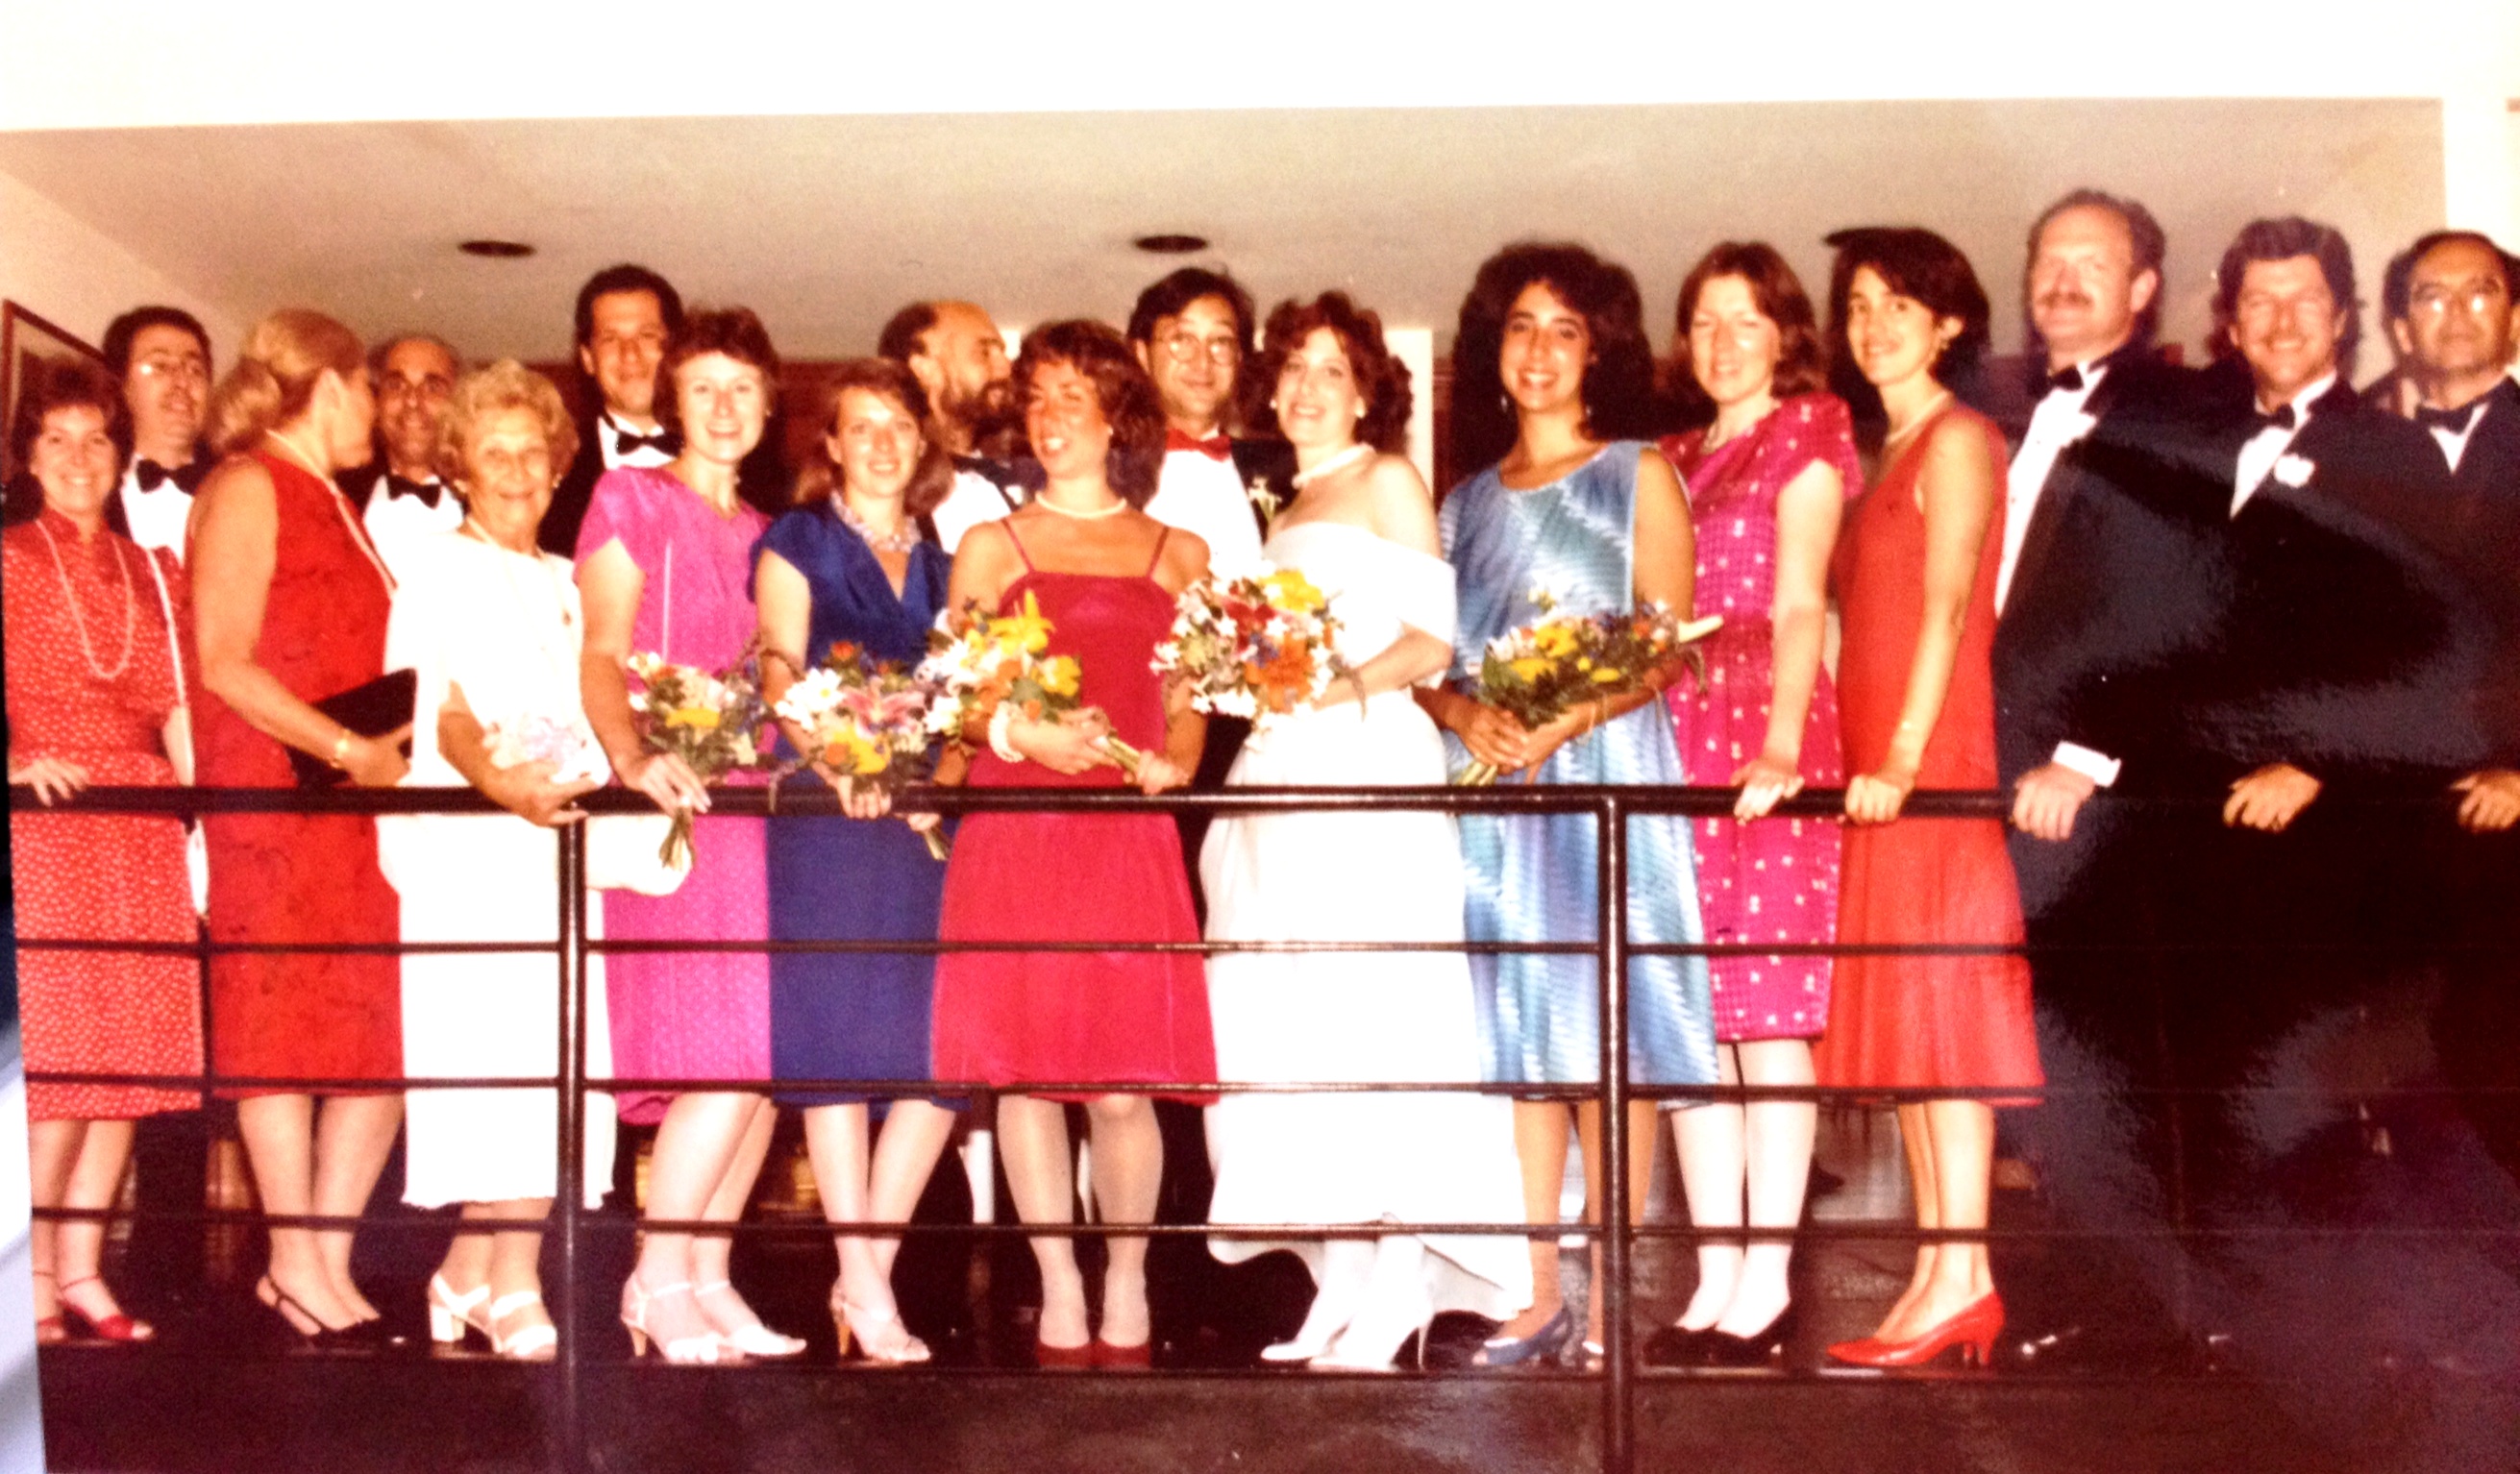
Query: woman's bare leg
1032	1142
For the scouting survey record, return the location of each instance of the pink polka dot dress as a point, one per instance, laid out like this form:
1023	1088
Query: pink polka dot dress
1774	880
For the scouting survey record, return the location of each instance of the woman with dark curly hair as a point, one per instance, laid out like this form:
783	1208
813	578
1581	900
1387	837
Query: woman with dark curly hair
1361	527
1915	585
1555	337
1106	576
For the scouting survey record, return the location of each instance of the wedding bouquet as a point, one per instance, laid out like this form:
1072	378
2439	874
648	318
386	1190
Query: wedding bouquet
1254	646
569	745
711	721
1547	668
991	669
865	718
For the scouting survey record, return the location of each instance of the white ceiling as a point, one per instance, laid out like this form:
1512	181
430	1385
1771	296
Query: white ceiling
826	224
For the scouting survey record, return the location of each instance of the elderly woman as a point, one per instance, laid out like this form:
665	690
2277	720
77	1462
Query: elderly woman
490	625
94	628
1105	575
663	565
290	604
853	564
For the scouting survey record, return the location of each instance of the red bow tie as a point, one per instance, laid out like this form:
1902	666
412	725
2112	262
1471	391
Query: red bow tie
1214	447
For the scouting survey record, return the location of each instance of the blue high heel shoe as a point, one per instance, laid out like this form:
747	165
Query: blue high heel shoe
1542	1345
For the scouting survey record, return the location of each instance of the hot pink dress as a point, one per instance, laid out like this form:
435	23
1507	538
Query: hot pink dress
1774	880
1007	1019
700	1016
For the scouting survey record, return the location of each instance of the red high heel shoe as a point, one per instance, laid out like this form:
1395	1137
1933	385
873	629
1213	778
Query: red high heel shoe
1972	1328
116	1327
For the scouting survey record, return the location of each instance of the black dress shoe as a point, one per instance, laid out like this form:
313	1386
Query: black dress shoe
1673	1346
1767	1347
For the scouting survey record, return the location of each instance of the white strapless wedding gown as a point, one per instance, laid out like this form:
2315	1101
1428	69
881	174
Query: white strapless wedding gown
1423	1157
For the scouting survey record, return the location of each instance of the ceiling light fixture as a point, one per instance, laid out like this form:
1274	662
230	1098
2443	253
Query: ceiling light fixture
1171	245
497	251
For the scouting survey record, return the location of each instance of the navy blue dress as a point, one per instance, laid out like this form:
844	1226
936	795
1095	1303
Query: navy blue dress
851	1015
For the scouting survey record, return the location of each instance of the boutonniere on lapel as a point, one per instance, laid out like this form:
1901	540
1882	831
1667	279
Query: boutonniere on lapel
2294	470
1265	497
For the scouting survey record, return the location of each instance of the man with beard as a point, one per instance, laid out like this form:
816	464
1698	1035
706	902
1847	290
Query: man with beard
163	356
399	491
960	359
2108	533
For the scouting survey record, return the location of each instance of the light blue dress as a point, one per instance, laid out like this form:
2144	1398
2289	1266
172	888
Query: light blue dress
1532	879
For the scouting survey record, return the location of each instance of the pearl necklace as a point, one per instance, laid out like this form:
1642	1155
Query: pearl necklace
903	538
1332	466
1118	506
78	625
340	504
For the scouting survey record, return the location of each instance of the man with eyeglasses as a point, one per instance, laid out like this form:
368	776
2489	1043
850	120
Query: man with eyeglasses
400	492
1193	331
2449	305
163	356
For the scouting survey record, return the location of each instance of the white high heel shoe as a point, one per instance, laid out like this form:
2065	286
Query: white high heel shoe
1372	1341
700	1350
450	1315
752	1337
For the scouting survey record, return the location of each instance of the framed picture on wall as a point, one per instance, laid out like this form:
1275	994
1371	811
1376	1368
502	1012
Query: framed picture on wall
24	337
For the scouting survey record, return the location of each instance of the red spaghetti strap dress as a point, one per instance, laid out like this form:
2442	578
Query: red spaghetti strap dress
1007	1019
302	877
1922	1020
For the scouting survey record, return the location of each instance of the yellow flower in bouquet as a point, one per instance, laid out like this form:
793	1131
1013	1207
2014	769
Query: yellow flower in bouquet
1543	670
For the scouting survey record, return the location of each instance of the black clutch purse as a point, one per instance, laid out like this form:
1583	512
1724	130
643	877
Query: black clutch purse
370	709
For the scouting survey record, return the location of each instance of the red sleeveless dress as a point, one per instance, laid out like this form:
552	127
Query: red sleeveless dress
1922	1020
285	878
1011	1017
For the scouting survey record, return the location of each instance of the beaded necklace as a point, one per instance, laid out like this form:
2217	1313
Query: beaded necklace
78	625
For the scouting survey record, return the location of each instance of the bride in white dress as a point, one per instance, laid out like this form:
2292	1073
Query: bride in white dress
1362	528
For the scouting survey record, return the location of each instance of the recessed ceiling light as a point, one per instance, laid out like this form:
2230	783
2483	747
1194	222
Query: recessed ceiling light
503	250
1171	245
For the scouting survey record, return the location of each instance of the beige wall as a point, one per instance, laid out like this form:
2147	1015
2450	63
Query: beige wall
65	271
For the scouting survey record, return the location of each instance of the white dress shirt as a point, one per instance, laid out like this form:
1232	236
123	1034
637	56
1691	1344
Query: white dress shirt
2454	443
157	518
1198	493
395	521
2258	456
974	499
2058	420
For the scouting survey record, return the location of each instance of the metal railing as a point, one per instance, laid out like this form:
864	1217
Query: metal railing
1611	808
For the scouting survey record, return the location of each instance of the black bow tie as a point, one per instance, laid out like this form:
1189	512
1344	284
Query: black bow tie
2065	380
2282	418
404	486
2455	420
151	475
624	442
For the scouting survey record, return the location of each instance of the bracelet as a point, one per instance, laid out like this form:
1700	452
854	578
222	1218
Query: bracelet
1001	721
341	750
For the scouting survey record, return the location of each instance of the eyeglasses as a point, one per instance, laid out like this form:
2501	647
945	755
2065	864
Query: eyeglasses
2476	300
184	370
1186	347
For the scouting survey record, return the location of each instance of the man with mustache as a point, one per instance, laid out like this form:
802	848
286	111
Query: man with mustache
399	492
959	358
163	356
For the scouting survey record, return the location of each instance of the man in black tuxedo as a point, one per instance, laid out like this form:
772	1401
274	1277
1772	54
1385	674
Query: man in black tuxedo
163	356
2334	698
399	494
2109	533
627	317
959	357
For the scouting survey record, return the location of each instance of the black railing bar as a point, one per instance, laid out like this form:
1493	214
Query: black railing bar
754	800
283	949
900	1089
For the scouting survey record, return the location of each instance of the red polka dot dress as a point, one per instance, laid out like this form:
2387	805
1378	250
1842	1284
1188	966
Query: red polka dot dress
1776	879
90	681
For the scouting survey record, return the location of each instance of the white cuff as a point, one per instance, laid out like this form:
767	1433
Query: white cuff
2101	768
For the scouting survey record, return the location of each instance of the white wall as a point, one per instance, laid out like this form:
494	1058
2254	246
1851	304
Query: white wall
60	269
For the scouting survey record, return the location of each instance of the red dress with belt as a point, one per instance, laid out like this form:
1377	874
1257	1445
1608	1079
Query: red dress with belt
310	878
91	681
1922	1020
1007	1019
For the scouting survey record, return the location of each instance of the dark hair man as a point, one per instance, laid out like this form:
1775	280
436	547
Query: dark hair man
163	356
1192	333
627	317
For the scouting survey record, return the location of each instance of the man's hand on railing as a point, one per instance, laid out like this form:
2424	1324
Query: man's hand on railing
2493	801
2047	800
53	778
2270	799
